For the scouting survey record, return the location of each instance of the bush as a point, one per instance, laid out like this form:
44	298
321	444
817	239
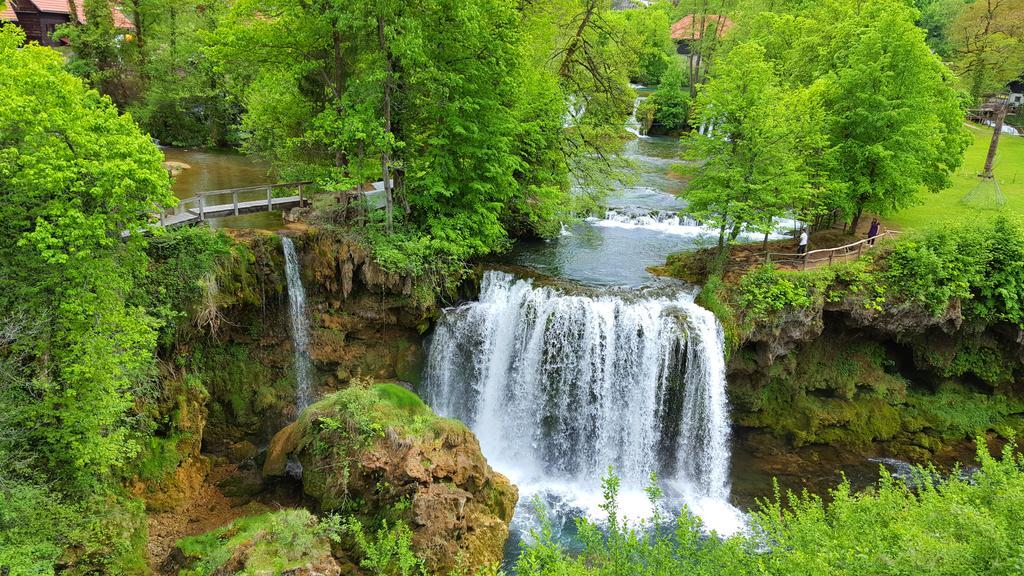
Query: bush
980	265
947	526
765	291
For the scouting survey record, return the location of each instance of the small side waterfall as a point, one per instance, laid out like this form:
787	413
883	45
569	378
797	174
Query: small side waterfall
633	123
300	326
559	387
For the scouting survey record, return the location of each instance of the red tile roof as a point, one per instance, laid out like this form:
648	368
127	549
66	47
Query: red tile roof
7	13
64	7
686	29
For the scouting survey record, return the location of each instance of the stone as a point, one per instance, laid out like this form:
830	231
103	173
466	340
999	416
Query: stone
243	450
282	445
382	445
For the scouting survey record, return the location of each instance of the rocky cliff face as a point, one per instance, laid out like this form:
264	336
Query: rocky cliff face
379	453
896	381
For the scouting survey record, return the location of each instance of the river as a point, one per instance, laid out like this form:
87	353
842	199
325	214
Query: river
208	170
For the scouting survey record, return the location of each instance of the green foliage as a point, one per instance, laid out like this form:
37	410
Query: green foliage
766	291
980	265
41	528
185	261
183	100
751	153
988	45
823	106
272	543
670	103
75	176
97	54
342	425
713	297
834	390
955	412
369	410
648	31
386	551
941	527
243	388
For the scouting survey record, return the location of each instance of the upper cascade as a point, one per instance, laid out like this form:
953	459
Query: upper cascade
565	386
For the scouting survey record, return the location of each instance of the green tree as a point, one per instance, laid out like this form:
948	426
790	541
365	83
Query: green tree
96	49
670	103
988	38
75	177
895	119
749	146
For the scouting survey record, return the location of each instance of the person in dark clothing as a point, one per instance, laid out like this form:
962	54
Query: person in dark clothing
873	231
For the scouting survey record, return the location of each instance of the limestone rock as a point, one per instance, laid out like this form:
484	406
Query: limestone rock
243	450
382	445
281	447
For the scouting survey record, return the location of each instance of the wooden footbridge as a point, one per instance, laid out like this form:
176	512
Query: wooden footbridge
826	256
236	201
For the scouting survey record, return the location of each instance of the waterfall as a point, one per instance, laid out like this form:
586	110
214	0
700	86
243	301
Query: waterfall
633	123
559	387
675	223
300	326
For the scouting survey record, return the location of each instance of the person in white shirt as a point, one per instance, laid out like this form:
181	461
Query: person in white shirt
803	242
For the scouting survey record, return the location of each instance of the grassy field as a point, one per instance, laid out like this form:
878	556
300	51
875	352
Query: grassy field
946	206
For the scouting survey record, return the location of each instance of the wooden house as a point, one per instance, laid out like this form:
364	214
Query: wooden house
40	18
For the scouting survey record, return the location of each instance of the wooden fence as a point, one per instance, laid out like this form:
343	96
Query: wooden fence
830	255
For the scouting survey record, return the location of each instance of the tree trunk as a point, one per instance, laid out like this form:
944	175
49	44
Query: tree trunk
385	156
997	131
856	218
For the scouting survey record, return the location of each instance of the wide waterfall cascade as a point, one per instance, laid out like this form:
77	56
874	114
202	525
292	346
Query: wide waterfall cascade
299	321
559	387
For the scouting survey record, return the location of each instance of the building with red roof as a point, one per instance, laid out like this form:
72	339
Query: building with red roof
40	18
694	27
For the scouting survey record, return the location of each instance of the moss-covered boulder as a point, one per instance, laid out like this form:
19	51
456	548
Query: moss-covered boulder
282	542
377	451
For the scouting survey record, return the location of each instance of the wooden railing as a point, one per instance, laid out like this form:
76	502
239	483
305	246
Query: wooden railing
829	255
235	201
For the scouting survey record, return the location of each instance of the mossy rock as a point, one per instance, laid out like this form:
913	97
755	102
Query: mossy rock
377	451
286	541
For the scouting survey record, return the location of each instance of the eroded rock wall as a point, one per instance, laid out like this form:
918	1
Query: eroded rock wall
896	381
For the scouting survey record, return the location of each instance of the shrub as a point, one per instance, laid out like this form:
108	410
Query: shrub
765	291
950	526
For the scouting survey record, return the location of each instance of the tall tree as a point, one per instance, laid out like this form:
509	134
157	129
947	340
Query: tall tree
988	38
751	167
895	118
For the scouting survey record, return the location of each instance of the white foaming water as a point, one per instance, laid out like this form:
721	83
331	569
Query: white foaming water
672	223
633	123
560	387
299	325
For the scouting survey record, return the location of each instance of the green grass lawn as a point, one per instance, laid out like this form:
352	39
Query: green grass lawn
946	206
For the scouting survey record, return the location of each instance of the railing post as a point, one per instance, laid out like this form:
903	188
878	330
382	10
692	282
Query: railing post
202	208
300	195
234	199
831	253
806	256
270	198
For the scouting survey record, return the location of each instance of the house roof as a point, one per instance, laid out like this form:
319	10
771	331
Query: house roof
687	28
64	7
7	13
